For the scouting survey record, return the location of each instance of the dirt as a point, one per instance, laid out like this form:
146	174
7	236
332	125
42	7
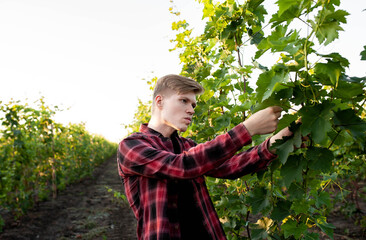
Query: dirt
87	210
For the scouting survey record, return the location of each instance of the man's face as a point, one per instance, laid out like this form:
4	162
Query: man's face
178	109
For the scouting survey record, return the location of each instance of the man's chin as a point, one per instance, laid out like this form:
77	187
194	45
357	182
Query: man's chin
183	129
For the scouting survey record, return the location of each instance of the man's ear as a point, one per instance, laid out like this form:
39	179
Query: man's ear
159	101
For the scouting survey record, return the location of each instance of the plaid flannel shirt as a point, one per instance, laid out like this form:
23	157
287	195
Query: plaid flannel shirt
147	164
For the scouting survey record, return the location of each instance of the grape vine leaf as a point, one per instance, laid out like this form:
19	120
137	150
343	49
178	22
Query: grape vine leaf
281	210
295	190
363	53
286	4
286	145
323	198
324	226
311	236
285	121
316	121
348	90
319	158
222	122
258	233
270	81
258	199
331	69
291	227
327	25
349	121
300	205
336	57
292	169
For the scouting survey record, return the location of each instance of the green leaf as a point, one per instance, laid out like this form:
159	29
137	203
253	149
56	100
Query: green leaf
316	121
286	145
271	81
283	148
288	14
258	199
353	79
311	236
258	233
222	122
363	53
300	206
285	121
319	158
295	191
331	70
348	90
323	198
292	170
280	40
284	5
208	9
349	121
336	57
327	228
327	25
292	228
281	210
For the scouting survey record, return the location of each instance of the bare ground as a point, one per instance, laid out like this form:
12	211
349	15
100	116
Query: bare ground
87	210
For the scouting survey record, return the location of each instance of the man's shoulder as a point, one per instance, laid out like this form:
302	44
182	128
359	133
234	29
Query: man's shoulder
135	135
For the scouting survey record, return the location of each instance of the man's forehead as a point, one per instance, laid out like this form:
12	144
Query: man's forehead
170	92
189	95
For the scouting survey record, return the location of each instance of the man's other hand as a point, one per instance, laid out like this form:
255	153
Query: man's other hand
264	121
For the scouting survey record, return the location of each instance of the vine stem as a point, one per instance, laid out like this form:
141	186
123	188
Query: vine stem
240	62
362	104
247	227
248	212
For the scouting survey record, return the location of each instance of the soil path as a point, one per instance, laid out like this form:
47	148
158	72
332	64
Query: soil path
85	210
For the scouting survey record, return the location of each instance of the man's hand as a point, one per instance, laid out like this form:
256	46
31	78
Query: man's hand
264	121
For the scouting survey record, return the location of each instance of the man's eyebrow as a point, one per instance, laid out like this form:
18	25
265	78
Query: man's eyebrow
194	103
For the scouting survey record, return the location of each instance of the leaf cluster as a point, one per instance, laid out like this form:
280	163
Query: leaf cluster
39	156
292	197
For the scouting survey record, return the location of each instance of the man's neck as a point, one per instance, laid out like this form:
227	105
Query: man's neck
160	127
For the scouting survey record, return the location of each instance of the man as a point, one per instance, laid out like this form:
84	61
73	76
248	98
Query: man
163	173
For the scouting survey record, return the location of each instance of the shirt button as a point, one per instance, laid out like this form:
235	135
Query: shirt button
176	227
175	205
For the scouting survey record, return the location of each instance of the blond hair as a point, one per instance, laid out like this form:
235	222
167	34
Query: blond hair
177	83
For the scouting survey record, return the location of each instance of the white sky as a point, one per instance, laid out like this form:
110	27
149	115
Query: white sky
91	55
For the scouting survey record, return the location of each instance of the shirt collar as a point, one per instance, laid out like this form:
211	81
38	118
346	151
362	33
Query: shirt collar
145	129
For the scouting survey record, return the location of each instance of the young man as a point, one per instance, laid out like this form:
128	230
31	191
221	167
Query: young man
163	173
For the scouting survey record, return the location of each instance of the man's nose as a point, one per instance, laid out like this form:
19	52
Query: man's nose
190	110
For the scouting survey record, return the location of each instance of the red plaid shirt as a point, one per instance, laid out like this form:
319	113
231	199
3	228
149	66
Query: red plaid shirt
147	164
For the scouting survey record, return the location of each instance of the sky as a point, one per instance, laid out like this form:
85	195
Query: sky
93	58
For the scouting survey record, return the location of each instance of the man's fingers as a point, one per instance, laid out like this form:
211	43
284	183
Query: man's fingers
277	109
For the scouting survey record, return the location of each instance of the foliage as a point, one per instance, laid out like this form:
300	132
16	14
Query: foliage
142	115
292	198
143	111
118	196
40	156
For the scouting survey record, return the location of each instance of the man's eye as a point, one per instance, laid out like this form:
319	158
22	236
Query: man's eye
184	101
